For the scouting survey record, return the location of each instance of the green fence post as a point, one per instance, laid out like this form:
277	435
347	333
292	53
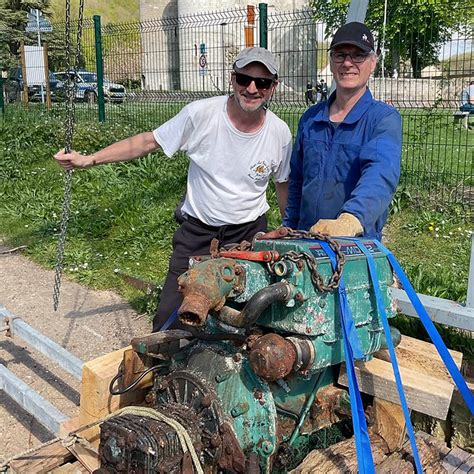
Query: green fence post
2	103
99	68
263	19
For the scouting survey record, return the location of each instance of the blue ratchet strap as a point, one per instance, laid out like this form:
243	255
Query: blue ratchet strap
362	442
430	329
170	320
391	349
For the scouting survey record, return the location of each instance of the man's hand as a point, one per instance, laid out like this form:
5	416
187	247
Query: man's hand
73	160
346	225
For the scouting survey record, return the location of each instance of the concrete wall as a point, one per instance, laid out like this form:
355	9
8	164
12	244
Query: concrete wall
418	92
160	45
172	55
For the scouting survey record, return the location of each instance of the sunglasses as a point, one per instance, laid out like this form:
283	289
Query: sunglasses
260	82
356	58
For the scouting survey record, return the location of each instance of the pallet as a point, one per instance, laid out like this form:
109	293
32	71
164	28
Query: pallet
56	458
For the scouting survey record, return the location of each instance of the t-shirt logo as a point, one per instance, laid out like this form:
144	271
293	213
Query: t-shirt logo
259	171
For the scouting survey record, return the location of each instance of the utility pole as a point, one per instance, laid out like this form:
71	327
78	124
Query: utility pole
39	45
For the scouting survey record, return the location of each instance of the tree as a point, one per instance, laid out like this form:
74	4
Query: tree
415	30
12	27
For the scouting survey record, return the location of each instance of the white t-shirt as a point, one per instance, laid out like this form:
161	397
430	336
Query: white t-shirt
228	170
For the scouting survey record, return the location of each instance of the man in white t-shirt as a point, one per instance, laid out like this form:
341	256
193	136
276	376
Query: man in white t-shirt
234	144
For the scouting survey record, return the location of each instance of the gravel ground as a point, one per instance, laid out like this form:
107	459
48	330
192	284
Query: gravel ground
88	324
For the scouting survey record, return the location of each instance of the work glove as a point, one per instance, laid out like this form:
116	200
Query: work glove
346	225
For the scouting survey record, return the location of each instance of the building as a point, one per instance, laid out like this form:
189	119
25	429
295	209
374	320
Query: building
190	45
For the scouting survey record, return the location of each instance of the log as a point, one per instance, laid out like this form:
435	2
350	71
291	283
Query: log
430	455
388	423
340	457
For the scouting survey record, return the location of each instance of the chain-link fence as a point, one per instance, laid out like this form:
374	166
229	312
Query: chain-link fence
151	68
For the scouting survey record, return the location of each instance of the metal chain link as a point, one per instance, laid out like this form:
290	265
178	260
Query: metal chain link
69	132
316	277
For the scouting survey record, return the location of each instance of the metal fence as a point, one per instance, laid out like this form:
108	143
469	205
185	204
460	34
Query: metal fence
164	63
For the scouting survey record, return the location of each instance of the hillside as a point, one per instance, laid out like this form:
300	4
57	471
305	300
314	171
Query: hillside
117	11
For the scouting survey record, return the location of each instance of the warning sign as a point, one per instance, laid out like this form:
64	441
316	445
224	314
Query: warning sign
202	65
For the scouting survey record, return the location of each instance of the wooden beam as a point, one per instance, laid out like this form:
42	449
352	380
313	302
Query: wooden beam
96	401
427	385
70	468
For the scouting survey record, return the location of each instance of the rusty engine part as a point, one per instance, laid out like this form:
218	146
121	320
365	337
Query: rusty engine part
206	289
272	357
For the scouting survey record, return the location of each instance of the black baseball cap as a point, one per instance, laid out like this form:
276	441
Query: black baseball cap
354	33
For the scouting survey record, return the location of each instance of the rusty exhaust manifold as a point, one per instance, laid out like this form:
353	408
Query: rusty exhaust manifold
205	288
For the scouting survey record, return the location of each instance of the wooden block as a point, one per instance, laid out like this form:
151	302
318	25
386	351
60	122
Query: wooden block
42	460
87	456
402	460
466	466
96	400
427	386
420	356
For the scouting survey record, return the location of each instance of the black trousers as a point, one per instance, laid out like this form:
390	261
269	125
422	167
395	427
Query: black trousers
194	238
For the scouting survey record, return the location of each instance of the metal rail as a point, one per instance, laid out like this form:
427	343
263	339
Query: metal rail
440	310
47	414
17	327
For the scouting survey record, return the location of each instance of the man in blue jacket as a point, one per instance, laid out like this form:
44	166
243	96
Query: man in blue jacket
346	158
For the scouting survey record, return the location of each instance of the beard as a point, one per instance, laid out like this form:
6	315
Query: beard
250	106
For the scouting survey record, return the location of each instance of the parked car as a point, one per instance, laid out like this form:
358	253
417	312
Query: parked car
14	87
86	89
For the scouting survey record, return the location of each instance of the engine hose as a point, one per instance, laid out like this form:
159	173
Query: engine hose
119	375
261	300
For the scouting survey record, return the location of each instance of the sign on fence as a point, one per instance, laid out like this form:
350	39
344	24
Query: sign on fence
37	23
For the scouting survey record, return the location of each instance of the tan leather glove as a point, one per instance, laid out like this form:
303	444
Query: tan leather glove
346	225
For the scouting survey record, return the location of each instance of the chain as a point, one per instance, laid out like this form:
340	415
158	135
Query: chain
316	277
70	116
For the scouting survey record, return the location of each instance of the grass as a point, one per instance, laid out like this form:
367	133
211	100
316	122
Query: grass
122	215
110	13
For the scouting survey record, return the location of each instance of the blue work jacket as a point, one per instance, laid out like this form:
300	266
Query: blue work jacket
352	167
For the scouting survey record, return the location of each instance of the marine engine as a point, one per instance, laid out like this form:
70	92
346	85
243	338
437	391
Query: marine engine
252	377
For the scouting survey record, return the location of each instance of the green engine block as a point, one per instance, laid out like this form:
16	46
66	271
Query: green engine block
263	350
